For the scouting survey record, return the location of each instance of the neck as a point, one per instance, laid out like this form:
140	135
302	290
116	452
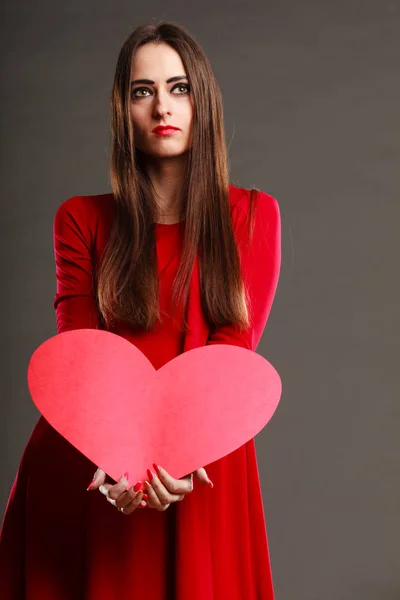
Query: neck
167	176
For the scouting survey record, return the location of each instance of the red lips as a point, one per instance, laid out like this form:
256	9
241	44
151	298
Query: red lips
164	128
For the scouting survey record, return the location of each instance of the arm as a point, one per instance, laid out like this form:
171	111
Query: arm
74	301
260	264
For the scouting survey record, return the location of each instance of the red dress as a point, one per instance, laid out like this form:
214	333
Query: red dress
60	542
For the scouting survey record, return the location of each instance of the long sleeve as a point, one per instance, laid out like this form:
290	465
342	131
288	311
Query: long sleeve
74	301
260	263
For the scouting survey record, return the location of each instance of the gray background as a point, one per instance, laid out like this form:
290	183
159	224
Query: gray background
311	97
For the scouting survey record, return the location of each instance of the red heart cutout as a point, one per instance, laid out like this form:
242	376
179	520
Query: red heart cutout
102	394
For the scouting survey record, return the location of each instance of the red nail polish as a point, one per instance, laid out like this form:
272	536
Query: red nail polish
88	487
126	475
137	486
156	468
210	483
150	474
145	496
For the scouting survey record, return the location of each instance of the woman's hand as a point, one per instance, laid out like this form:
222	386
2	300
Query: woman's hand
163	489
161	492
125	500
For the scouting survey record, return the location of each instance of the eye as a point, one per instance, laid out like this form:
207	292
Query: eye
185	86
182	85
133	93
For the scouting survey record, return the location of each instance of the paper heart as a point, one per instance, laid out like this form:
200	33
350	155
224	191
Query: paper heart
102	394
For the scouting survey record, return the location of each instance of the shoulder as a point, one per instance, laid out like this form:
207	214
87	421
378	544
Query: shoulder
84	210
265	206
86	205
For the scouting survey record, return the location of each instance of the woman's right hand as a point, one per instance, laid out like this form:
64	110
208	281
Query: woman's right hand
125	500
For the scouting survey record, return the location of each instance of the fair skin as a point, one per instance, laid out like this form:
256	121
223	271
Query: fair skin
152	104
162	103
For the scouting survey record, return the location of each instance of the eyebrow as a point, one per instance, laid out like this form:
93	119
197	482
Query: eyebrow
170	80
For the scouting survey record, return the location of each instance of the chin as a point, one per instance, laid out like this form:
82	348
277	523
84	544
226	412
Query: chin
173	153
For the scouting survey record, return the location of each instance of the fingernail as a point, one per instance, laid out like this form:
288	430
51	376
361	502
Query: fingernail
145	496
156	468
142	504
150	474
93	480
210	483
90	484
126	475
137	486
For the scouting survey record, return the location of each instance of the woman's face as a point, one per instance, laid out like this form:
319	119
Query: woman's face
158	102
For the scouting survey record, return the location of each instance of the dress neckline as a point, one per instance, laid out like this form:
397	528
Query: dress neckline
169	224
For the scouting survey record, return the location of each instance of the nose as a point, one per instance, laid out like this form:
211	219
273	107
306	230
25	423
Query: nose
161	106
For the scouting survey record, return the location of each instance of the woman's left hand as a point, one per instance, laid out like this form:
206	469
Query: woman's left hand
162	489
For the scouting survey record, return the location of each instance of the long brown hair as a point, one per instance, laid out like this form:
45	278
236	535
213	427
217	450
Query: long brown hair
127	280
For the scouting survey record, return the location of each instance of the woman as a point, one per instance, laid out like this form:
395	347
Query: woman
173	259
